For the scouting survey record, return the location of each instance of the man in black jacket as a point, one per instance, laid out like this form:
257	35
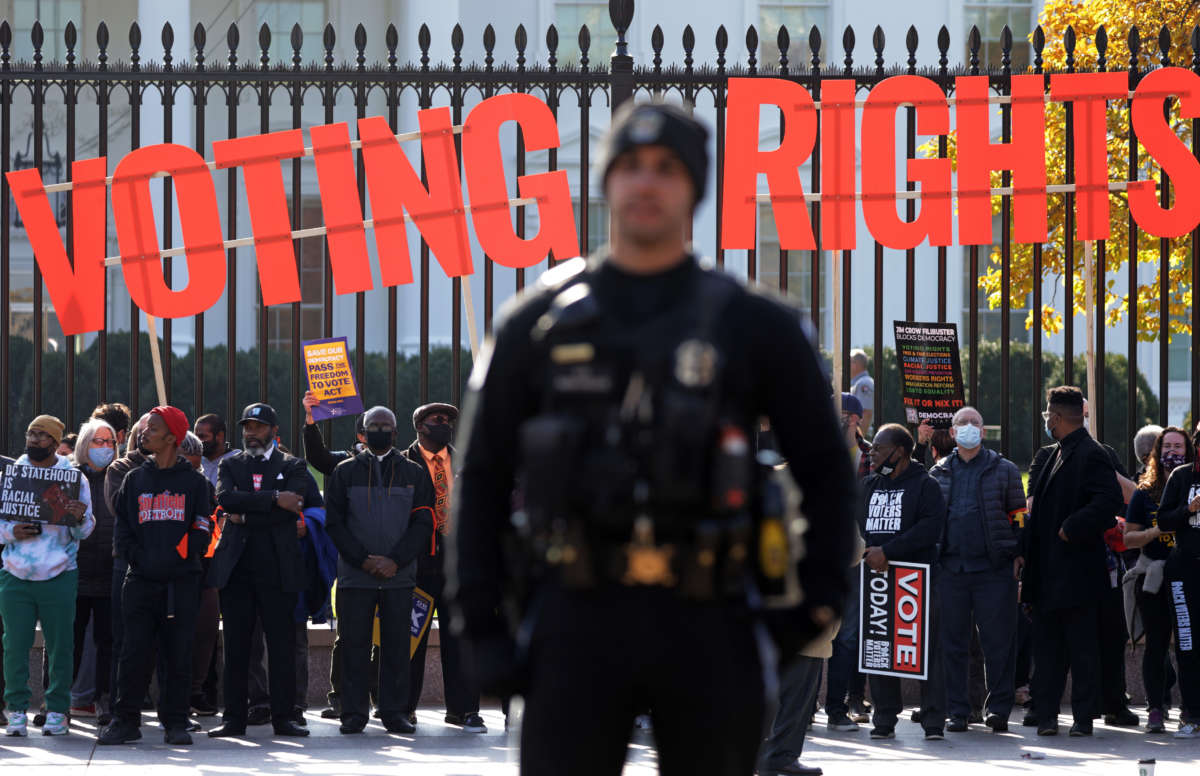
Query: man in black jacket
379	513
162	529
1063	567
983	493
259	569
902	516
432	451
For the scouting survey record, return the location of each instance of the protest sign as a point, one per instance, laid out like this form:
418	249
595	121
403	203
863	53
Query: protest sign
38	494
327	364
931	383
893	633
422	614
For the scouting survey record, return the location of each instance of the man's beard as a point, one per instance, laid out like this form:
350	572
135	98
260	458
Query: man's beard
256	447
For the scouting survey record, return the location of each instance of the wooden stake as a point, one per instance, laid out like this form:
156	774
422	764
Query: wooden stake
156	359
1089	313
471	331
837	332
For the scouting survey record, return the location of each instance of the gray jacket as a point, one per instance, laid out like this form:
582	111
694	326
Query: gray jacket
378	508
1001	500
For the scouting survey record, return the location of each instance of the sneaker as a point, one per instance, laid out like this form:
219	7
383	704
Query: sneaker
842	723
934	734
997	723
56	724
1154	724
18	724
84	711
883	732
1186	730
474	724
956	725
202	708
860	709
119	733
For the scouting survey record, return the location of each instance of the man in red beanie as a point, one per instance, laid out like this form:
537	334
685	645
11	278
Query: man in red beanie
162	527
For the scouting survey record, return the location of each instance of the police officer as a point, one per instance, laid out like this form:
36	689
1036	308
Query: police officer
622	396
258	567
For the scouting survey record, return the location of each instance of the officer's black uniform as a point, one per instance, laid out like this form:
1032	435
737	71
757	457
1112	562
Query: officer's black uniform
259	570
608	398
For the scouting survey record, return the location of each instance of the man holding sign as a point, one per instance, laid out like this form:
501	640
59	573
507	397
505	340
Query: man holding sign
901	517
330	379
38	581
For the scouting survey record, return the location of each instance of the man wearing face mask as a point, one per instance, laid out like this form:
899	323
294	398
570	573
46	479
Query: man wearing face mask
984	495
259	569
1062	563
902	515
210	429
379	512
432	451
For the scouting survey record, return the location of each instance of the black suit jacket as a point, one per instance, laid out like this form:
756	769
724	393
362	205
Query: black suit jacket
431	562
1078	493
236	495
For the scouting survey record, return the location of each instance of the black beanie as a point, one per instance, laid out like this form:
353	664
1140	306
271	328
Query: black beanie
658	123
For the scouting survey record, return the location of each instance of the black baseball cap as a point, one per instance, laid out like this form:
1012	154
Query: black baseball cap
263	413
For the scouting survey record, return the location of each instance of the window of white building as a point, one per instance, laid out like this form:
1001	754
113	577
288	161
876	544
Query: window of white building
280	15
54	15
570	16
799	266
799	16
990	16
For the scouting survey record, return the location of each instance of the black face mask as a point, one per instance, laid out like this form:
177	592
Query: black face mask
888	466
208	449
439	434
38	453
379	442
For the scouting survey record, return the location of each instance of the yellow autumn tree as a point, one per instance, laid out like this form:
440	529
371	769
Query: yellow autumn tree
1117	18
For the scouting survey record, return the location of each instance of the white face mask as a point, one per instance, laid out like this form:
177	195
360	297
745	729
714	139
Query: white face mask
968	436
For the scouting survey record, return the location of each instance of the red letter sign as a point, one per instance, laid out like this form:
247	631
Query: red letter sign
1090	93
259	157
743	162
395	186
1165	147
879	164
484	164
342	208
978	156
838	227
198	217
77	292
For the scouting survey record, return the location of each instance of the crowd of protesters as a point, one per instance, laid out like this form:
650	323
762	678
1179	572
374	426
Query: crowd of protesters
195	564
187	564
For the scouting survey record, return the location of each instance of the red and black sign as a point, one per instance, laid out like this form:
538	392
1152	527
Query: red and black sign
930	373
893	634
38	494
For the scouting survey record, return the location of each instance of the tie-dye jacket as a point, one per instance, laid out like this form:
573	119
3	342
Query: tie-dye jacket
53	552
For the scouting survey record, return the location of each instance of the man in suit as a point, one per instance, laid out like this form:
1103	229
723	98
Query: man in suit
1063	566
432	451
258	567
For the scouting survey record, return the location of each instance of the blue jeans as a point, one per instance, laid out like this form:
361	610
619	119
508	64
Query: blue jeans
843	675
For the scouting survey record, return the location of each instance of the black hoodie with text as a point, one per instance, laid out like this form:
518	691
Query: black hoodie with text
155	508
903	516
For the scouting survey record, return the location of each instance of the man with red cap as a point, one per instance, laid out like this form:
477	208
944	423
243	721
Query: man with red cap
162	528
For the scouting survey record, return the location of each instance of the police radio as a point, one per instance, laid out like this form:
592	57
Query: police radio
780	535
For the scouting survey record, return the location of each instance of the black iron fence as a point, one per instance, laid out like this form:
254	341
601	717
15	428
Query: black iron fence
70	379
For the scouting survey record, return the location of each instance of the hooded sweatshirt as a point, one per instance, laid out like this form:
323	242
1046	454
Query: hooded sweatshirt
155	509
903	516
54	551
1182	486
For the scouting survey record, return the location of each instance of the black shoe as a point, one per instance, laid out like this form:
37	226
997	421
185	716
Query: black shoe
956	725
260	715
883	732
118	733
177	737
1049	729
298	717
796	768
470	723
290	729
1030	720
193	726
1080	729
974	718
227	730
39	719
915	716
201	707
1123	718
997	723
352	725
934	734
399	725
331	713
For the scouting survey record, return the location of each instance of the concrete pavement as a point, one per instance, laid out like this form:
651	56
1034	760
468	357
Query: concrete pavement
440	750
